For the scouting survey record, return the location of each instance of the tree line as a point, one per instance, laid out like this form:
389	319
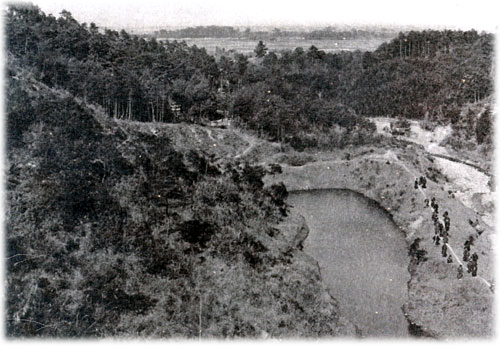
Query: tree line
130	77
298	96
219	31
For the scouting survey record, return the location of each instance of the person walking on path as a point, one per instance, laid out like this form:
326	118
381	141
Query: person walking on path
445	239
443	250
473	262
471	241
436	240
466	255
449	260
446	218
467	245
441	229
460	273
435	217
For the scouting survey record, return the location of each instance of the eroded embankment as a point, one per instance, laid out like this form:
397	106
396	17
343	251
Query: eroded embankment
439	304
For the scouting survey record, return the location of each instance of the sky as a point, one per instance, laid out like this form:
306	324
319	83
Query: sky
453	14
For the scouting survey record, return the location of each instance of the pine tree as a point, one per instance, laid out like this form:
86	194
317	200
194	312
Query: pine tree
260	50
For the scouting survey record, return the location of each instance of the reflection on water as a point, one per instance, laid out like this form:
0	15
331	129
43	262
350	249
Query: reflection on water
362	256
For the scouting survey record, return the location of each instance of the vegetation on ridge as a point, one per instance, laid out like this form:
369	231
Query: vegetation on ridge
307	98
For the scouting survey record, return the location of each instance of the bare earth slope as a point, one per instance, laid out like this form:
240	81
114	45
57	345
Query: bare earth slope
440	304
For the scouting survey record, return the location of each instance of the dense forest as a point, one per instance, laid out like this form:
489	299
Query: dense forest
112	232
282	95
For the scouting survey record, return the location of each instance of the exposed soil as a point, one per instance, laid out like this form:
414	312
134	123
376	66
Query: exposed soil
440	304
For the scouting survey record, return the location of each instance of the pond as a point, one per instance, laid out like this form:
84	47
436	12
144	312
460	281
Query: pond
362	255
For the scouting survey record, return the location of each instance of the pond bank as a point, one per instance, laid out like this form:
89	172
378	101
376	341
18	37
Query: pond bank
439	305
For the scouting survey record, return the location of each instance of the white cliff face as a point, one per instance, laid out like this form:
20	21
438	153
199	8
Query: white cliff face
467	183
430	140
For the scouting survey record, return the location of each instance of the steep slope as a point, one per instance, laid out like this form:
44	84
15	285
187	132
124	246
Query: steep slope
111	231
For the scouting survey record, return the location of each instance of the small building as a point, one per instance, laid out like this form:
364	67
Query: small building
222	123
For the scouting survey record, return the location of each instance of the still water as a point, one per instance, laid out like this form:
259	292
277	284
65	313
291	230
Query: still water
362	255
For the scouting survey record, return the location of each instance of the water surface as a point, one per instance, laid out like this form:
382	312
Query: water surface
362	256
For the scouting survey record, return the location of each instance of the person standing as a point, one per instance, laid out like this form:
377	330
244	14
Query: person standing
474	259
444	248
466	255
446	218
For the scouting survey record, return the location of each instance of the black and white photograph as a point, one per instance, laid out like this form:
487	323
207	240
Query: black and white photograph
249	170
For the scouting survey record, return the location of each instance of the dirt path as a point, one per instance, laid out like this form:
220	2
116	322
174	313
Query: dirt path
252	142
391	155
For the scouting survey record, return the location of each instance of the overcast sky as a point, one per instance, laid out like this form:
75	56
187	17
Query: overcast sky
460	14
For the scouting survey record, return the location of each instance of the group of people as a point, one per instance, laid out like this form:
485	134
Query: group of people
421	181
441	232
471	260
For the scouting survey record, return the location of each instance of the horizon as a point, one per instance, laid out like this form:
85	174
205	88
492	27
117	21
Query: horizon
175	14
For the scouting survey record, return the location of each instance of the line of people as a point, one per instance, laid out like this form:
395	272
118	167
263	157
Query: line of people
471	260
442	232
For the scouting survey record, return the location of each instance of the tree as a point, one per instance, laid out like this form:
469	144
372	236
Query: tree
260	50
483	127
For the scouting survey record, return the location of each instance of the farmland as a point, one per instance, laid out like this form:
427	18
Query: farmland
246	46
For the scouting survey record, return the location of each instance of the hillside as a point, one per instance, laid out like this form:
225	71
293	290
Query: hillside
112	231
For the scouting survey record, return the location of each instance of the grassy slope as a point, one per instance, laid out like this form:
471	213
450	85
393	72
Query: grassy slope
439	303
92	253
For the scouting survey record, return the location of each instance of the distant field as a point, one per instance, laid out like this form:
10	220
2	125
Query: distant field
247	46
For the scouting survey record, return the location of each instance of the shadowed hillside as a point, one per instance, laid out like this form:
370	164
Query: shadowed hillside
112	232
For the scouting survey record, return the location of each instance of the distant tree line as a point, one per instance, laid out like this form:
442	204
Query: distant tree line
217	31
330	33
199	31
